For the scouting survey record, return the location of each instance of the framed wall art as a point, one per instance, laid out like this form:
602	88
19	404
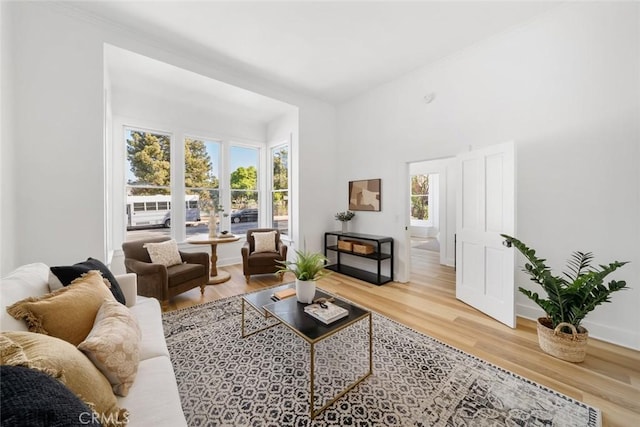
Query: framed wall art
364	195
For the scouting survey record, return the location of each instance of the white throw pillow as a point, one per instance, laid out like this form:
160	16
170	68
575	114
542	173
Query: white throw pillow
265	242
113	345
165	253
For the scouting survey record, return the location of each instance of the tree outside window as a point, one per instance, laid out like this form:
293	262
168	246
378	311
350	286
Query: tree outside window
280	188
243	182
148	188
420	197
201	181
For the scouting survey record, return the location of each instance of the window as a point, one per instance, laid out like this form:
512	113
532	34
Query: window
212	175
243	182
202	183
148	180
280	188
420	197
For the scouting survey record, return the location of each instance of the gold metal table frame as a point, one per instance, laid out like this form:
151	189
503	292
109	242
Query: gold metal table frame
270	312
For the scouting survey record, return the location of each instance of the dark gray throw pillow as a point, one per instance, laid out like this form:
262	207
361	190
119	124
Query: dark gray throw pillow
67	274
32	398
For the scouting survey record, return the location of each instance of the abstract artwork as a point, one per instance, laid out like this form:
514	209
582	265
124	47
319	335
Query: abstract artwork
364	195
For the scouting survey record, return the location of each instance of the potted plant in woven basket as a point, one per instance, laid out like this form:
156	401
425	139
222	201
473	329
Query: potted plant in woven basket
308	268
570	298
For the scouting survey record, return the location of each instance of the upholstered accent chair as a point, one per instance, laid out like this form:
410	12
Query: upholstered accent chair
159	281
262	261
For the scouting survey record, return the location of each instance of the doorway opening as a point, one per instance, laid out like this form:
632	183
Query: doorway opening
431	209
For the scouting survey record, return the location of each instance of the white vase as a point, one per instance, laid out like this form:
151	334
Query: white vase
305	290
213	232
345	226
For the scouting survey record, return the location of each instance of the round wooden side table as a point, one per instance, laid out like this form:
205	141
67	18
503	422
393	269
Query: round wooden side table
216	276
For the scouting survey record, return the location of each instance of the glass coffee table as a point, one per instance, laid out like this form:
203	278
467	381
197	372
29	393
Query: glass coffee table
290	313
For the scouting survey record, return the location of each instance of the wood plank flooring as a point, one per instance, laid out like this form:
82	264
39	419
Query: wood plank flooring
609	378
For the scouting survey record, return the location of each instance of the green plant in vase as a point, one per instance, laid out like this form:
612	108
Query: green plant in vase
571	296
344	218
308	268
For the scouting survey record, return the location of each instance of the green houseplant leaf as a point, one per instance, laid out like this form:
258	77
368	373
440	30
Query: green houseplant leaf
577	292
307	266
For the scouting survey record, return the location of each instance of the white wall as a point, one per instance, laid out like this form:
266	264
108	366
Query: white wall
284	129
58	129
7	192
59	159
565	88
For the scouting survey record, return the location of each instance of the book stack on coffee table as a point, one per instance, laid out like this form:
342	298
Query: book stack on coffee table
326	312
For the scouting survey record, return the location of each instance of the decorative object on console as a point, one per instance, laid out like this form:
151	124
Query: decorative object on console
570	298
308	268
344	218
365	195
345	245
362	248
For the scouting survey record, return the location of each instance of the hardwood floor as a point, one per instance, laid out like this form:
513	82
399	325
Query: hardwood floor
609	378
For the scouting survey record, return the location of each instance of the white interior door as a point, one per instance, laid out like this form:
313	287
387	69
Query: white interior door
485	208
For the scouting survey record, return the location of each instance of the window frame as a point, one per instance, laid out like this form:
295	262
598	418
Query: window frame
421	222
271	190
177	137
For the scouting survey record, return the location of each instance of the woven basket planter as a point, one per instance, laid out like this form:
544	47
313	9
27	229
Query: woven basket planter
570	347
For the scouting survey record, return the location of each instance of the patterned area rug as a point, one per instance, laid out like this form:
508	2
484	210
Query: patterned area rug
263	380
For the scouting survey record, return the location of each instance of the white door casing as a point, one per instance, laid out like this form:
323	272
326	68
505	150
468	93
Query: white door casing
485	209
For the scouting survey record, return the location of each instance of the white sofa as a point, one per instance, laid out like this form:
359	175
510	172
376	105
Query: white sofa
153	399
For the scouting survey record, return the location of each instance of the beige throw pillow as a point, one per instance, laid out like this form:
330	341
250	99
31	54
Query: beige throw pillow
66	313
113	345
165	253
65	362
264	242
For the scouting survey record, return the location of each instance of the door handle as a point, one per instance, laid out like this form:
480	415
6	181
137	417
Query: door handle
506	243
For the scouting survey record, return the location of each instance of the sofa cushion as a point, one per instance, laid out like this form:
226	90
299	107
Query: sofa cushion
26	281
32	398
181	273
264	258
64	275
67	313
165	253
264	242
64	361
113	345
148	313
154	399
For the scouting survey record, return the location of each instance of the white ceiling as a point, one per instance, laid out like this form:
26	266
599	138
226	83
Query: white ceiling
137	74
332	51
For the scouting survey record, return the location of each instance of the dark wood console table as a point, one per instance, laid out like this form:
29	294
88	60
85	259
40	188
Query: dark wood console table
383	251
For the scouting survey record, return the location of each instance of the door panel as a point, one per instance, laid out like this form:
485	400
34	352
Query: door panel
485	209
